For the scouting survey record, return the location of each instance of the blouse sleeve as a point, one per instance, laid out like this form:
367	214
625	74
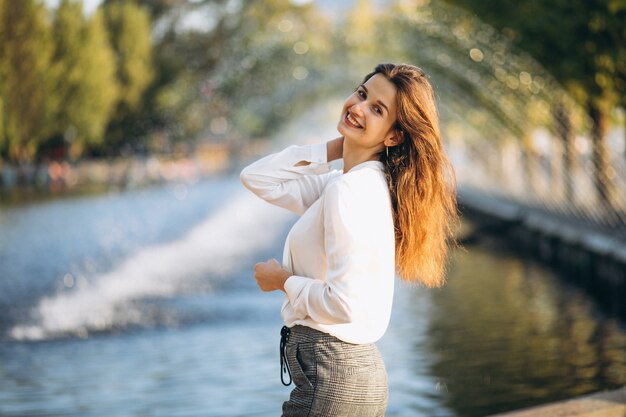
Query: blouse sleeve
333	300
276	178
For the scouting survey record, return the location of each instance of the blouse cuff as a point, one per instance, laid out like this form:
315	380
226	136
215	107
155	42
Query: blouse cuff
294	287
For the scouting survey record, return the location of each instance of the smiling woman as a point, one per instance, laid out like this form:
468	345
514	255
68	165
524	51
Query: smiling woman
389	210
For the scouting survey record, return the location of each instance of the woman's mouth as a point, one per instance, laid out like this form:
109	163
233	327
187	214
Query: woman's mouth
351	121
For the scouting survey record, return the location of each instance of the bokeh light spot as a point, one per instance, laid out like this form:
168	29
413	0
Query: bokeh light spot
285	25
525	78
301	48
476	54
300	73
512	82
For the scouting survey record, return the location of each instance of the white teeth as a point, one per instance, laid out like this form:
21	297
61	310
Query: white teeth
353	120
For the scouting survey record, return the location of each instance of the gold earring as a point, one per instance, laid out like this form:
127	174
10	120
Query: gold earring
387	150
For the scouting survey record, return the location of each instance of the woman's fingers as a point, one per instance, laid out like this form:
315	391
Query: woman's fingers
264	272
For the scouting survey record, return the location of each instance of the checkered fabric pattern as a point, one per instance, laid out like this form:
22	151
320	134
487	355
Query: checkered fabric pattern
333	378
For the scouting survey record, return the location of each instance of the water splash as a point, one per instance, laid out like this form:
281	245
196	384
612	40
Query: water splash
210	251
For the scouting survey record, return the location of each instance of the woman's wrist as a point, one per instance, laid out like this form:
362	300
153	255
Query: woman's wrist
285	276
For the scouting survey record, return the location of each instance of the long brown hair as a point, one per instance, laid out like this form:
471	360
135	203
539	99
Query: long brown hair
421	180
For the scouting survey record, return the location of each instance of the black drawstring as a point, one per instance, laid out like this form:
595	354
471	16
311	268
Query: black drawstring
284	365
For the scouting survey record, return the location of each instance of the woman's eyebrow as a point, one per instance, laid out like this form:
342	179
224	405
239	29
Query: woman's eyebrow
377	101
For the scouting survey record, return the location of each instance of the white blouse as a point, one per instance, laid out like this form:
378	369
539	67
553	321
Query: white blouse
341	251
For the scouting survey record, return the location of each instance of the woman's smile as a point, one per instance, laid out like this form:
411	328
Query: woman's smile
351	121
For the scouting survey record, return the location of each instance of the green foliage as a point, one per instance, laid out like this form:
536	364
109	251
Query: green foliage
243	69
97	84
129	29
133	68
583	44
276	47
130	34
359	32
160	8
3	86
101	87
83	67
25	50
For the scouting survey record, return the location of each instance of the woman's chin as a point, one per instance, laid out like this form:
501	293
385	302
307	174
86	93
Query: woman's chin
345	130
341	128
347	135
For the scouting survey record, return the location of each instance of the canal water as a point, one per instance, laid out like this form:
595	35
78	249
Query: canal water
142	303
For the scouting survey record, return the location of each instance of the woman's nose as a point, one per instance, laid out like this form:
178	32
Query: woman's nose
356	109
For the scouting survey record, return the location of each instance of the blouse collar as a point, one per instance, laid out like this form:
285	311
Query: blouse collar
368	164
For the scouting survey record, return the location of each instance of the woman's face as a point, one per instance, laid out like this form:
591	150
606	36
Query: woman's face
369	114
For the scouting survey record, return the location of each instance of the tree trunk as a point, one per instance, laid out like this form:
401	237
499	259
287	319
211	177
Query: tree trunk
601	159
565	134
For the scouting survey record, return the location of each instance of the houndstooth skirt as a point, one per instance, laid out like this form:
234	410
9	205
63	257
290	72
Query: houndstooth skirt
333	377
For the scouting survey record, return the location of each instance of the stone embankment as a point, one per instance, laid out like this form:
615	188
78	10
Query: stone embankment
601	404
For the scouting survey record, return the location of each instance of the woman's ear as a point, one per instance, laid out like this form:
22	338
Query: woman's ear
394	138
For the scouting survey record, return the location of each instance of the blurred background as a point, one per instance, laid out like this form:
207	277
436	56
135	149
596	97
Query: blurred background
127	241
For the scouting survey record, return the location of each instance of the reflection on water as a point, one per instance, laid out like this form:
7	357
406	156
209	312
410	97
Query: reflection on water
504	334
173	324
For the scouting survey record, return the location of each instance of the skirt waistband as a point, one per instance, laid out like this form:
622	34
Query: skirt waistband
311	334
303	334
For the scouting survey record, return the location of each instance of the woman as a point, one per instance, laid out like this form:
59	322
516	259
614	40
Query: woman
390	210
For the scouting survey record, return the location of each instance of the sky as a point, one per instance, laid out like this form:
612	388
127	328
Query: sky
89	5
199	19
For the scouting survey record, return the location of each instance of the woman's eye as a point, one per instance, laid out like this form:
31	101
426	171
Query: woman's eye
378	110
362	94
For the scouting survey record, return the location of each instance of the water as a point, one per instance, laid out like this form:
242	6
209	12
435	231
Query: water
142	303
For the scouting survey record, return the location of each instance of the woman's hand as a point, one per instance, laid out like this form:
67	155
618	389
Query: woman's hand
270	275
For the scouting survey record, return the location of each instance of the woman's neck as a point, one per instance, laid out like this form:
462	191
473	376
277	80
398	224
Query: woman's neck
353	157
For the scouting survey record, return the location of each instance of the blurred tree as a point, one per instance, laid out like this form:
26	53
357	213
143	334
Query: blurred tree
161	8
3	70
488	80
66	75
100	66
232	75
277	48
617	31
181	59
359	32
237	73
85	86
358	45
129	28
583	45
25	50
